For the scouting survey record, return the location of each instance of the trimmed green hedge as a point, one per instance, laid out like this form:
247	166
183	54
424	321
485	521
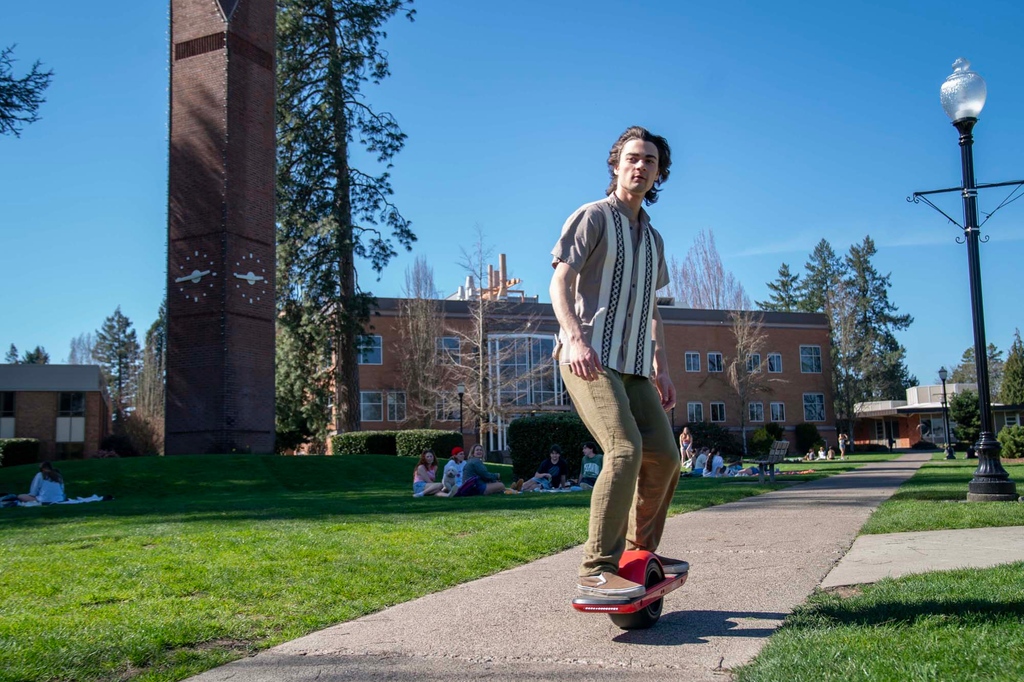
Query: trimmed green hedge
413	442
807	437
760	442
16	451
408	443
708	435
530	440
365	443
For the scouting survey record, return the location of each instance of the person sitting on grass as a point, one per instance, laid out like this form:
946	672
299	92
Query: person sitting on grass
699	462
714	466
476	479
550	474
590	467
424	475
451	480
47	487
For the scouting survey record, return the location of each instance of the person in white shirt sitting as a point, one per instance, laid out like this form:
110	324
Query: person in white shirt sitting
47	486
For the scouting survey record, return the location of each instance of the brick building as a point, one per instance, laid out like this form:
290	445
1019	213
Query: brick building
65	407
700	345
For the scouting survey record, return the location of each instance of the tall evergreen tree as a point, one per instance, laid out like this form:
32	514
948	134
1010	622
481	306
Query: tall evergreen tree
966	372
117	351
329	212
36	356
965	413
822	271
20	97
1012	390
11	358
785	292
152	378
881	358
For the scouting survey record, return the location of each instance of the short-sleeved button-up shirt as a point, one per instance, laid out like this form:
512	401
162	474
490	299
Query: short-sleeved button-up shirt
619	267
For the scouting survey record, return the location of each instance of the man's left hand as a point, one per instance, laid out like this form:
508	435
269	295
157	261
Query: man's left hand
665	389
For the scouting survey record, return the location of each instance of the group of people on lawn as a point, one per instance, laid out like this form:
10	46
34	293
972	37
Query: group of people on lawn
463	477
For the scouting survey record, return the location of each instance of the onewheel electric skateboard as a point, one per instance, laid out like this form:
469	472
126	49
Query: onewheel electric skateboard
639	612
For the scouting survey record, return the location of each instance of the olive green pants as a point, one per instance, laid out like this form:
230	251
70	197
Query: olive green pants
641	465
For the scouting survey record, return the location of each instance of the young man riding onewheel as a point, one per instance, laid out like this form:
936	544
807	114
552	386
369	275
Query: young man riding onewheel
609	262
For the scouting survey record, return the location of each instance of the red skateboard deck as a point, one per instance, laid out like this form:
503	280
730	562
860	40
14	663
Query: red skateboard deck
639	612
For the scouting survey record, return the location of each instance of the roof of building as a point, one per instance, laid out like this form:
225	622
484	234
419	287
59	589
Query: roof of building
51	378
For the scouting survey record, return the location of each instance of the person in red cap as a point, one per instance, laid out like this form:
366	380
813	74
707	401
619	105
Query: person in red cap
452	477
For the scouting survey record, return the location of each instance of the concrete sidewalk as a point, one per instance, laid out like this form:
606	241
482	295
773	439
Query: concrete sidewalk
752	562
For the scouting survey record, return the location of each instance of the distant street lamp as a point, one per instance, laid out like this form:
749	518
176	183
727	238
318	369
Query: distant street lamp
461	388
963	97
945	414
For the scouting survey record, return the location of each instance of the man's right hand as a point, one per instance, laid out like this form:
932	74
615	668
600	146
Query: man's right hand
585	364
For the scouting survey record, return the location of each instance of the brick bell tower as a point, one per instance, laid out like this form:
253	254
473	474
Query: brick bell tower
220	253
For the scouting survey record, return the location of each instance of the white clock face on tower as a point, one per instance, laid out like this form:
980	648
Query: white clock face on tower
194	276
250	278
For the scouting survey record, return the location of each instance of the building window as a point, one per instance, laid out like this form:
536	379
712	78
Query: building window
694	412
810	359
523	370
775	363
371	350
753	363
718	412
448	350
692	361
714	362
778	412
396	406
814	407
371	406
446	409
756	412
1012	419
6	414
71	418
879	430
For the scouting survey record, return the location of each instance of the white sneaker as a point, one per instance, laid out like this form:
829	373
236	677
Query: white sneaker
609	586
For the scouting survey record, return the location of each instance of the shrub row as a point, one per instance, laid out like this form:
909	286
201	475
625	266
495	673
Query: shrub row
15	451
760	442
709	435
530	440
408	443
1012	440
807	437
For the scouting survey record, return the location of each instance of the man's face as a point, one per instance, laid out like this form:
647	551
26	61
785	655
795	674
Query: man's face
587	452
638	167
554	457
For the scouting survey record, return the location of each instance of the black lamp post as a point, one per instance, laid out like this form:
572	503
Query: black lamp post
945	415
461	388
963	97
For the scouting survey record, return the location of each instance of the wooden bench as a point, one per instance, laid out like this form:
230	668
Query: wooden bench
775	455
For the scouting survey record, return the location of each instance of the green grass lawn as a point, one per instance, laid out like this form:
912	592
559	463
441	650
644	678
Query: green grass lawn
200	560
950	625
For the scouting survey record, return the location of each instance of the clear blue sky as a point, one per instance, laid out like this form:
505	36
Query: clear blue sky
789	122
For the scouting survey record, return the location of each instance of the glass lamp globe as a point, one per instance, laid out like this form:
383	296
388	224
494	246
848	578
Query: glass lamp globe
942	374
963	92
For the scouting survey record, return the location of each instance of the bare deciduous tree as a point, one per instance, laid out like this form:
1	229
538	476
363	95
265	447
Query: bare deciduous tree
703	282
81	349
421	325
746	375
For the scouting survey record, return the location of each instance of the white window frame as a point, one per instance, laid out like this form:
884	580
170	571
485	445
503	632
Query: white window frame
1011	419
721	411
445	354
755	411
753	362
366	402
71	417
777	358
694	412
446	407
692	360
396	399
778	410
807	415
7	429
374	346
813	357
718	362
